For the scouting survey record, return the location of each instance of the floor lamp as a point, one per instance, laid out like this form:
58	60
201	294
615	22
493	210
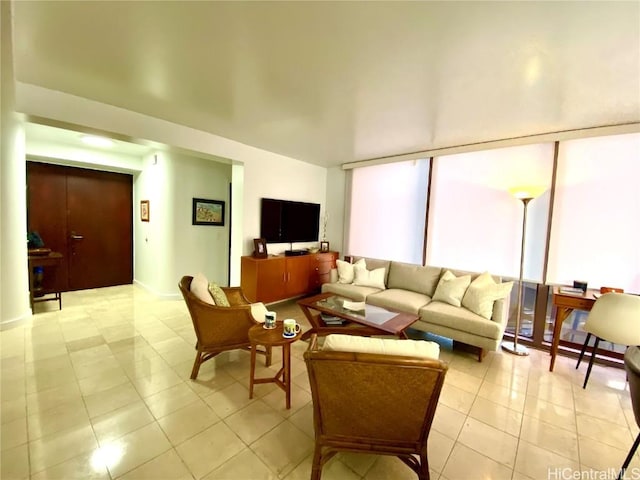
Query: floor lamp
525	195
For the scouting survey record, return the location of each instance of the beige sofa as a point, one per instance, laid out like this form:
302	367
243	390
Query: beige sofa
410	288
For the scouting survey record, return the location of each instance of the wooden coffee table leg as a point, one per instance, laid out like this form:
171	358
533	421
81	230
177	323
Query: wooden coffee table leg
286	375
253	369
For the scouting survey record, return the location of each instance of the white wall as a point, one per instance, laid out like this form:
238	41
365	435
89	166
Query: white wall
14	295
83	158
169	246
284	179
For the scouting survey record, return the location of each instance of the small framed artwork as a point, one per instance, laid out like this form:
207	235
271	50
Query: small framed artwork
207	212
324	246
260	248
144	210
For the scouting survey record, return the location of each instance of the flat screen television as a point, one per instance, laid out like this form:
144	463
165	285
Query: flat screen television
284	221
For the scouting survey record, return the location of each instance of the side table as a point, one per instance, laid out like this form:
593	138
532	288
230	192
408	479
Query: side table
258	335
52	259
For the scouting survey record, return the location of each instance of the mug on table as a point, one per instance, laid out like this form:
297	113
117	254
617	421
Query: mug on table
291	327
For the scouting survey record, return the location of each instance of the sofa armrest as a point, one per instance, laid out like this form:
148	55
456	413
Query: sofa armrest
501	312
333	275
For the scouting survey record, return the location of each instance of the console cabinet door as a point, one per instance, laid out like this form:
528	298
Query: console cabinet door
297	280
263	280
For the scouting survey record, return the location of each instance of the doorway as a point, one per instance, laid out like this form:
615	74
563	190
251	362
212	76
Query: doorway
87	215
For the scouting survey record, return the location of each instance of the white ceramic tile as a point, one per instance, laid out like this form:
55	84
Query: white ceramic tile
242	466
282	448
489	441
550	413
133	449
497	416
536	462
253	421
167	466
60	446
170	400
229	400
61	417
116	423
209	449
187	421
465	463
550	437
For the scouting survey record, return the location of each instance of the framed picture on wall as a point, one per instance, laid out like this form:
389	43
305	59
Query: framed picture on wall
207	212
324	246
144	210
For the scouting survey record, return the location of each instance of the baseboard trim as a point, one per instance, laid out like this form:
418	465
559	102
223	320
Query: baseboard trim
167	296
14	322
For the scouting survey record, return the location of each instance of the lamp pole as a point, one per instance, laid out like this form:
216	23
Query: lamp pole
513	347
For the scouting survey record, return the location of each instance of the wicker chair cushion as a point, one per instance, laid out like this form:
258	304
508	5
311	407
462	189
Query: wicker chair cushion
218	295
200	288
257	311
385	346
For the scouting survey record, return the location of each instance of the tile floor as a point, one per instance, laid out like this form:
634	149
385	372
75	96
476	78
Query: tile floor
101	390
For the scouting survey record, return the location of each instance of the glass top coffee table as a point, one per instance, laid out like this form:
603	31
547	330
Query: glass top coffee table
329	313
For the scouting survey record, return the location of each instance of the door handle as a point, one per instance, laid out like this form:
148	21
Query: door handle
76	237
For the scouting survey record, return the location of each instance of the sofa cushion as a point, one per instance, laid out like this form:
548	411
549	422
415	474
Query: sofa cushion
355	292
383	346
218	295
200	288
458	318
396	299
451	289
413	277
482	293
346	272
373	263
369	278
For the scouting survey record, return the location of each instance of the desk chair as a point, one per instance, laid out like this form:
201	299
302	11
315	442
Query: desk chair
615	317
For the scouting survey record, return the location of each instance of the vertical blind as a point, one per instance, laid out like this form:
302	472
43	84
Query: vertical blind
388	209
595	231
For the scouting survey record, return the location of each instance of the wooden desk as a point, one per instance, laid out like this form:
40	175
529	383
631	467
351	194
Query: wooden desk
53	259
566	303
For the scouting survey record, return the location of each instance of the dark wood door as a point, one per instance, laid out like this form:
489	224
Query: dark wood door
90	222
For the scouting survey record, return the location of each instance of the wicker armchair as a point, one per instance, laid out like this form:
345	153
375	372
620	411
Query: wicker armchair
219	329
373	403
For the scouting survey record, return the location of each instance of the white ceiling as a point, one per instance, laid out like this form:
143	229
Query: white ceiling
336	82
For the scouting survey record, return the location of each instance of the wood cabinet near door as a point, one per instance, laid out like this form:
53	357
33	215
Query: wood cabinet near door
87	215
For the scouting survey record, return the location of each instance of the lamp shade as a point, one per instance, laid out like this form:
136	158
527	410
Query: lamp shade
527	191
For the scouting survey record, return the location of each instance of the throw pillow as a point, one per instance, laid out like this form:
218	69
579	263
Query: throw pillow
218	295
482	293
346	272
200	288
257	311
369	278
451	289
